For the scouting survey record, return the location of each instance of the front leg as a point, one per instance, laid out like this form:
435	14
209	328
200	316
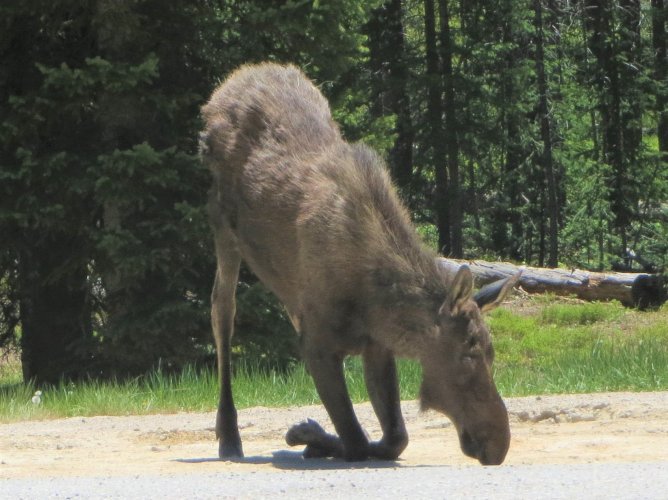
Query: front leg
380	375
352	444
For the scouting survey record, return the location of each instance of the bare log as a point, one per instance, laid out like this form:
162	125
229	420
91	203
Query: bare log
639	290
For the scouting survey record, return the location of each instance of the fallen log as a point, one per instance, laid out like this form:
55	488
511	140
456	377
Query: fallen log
639	290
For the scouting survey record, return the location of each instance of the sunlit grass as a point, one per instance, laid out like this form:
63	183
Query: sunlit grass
190	390
580	348
582	314
606	366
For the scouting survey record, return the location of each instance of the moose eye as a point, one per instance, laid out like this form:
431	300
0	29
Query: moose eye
472	351
469	360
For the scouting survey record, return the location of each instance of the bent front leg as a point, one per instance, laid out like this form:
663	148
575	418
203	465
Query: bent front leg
319	443
380	375
327	372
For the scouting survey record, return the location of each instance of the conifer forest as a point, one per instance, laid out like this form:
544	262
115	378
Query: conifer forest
529	131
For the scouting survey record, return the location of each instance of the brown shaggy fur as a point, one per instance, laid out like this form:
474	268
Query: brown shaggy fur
319	222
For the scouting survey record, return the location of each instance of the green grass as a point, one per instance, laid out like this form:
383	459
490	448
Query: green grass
590	347
556	348
190	390
583	314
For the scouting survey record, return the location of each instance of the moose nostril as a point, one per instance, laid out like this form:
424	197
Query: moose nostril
479	450
469	445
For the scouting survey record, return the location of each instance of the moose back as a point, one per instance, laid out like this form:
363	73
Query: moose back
321	225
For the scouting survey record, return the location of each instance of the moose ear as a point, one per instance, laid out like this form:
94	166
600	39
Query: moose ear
490	296
461	291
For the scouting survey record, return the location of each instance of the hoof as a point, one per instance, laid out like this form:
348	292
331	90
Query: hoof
230	451
307	432
319	444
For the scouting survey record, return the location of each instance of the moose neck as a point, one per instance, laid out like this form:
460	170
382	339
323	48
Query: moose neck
402	287
408	299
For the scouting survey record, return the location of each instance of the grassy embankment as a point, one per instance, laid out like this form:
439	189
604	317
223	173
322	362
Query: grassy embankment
548	347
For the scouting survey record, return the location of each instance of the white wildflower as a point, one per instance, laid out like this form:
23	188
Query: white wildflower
37	398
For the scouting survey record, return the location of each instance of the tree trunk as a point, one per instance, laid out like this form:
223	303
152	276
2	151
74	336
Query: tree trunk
511	182
55	311
631	114
435	132
43	226
451	133
402	153
546	136
388	59
600	22
631	289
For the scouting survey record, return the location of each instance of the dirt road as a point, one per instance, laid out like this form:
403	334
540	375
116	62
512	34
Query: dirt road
616	428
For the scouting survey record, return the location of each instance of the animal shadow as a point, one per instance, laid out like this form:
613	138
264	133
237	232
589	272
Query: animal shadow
294	460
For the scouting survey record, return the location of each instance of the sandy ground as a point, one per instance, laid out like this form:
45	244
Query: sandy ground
571	429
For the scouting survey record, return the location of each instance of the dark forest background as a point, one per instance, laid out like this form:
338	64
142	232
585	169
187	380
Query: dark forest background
528	130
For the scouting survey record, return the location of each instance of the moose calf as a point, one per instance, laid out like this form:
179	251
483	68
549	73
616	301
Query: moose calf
321	225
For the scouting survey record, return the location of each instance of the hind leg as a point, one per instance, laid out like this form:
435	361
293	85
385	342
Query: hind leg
223	308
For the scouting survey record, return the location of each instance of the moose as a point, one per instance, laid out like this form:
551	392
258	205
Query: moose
319	222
